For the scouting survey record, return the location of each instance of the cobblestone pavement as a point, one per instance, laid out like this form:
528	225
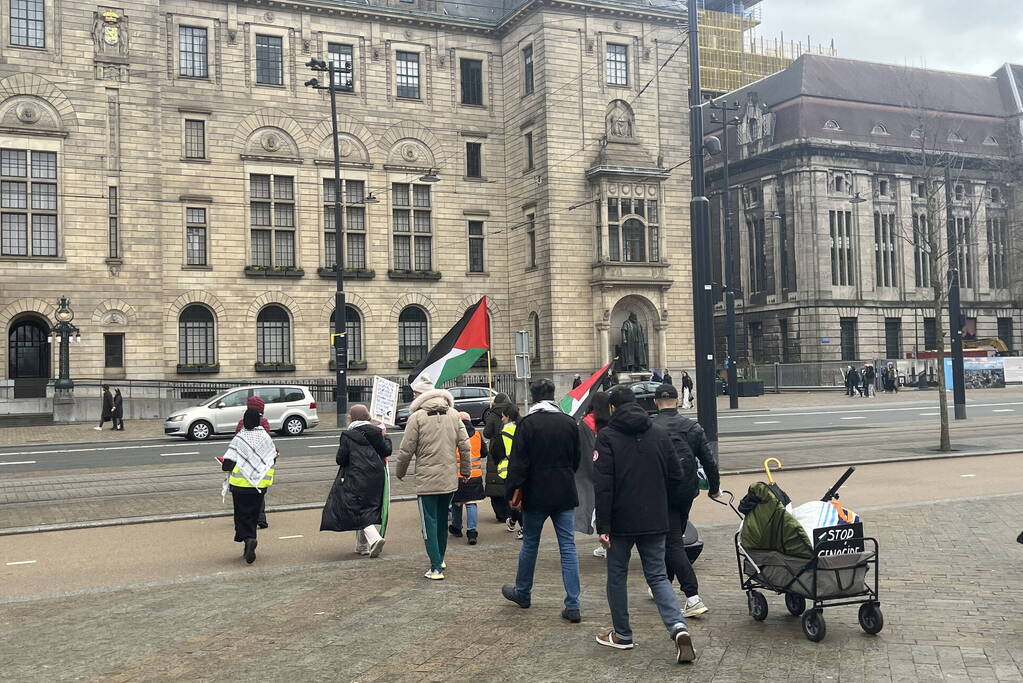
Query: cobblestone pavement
951	594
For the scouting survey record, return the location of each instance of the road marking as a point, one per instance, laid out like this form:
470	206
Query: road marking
1004	410
852	418
967	475
768	422
326	445
282	538
164	455
781	413
219	443
19	462
930	414
12	564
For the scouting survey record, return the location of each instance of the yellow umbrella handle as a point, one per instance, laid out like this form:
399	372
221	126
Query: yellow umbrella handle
767	468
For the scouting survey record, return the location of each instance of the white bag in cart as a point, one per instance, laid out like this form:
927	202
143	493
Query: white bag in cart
817	515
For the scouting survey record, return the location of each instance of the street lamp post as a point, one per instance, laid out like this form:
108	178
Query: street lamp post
338	336
955	312
64	330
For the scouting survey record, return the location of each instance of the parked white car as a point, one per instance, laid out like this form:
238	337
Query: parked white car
290	410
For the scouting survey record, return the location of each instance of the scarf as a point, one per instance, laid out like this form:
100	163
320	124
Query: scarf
254	454
545	407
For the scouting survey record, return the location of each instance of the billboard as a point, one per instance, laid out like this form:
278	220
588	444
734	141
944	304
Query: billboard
979	373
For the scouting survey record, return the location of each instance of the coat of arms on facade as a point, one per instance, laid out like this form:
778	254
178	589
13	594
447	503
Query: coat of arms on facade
110	34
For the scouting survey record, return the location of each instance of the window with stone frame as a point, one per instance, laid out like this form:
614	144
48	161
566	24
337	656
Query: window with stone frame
273	335
196	336
633	230
353	330
28	203
341	56
997	251
195	139
477	247
195	237
113	224
272	220
353	207
413	335
531	240
406	66
967	250
269	60
885	253
617	64
527	70
921	251
28	23
930	334
412	226
756	240
843	271
193	52
471	72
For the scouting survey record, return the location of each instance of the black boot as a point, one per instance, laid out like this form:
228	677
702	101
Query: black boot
457	533
250	550
471	535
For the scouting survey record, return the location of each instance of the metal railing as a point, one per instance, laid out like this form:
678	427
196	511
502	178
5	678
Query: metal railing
831	374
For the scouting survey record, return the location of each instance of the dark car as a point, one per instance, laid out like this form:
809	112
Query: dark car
644	393
473	400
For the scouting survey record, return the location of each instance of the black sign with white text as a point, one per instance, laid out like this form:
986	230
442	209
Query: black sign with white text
843	539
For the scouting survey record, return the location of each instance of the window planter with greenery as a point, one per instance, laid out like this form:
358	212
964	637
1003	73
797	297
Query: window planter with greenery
398	274
275	367
198	368
347	273
273	271
352	365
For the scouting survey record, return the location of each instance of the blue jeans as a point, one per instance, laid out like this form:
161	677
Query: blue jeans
651	554
564	527
472	516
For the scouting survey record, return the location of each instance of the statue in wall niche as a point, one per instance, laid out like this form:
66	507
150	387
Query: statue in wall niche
110	35
619	122
633	347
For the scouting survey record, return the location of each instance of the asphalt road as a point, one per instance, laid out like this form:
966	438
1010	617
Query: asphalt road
864	414
56	563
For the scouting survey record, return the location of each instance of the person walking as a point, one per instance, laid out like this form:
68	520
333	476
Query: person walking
687	390
852	381
433	434
541	479
356	498
470	490
259	405
692	449
497	461
251	459
638	479
666	378
869	377
106	412
577	381
596	418
118	412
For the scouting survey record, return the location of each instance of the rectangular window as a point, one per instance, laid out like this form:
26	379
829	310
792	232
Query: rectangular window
756	341
476	247
28	23
472	81
527	69
269	60
412	227
113	350
531	241
474	159
341	56
783	334
964	234
354	227
848	331
195	237
997	252
193	51
617	64
893	338
785	269
930	334
407	64
757	243
842	268
195	139
272	205
28	208
921	251
528	142
884	250
113	226
1005	329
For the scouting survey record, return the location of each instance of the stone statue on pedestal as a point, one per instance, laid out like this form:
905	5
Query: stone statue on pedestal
633	346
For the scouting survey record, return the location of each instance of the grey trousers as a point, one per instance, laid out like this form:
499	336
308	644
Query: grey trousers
651	555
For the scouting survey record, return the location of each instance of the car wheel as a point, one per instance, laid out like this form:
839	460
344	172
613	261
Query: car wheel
293	426
200	430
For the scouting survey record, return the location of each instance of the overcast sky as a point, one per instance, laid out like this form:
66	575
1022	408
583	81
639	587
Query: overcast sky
973	36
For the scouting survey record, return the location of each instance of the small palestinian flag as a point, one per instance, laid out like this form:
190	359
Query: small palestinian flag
575	401
459	349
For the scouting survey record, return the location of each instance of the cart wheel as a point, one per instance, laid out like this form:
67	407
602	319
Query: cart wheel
757	605
813	625
796	604
871	619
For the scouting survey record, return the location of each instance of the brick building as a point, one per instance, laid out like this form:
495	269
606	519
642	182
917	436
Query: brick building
164	167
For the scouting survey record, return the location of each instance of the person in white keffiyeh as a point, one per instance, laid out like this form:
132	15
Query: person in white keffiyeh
250	458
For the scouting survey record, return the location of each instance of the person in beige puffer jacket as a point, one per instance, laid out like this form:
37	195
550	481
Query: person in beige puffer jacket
433	436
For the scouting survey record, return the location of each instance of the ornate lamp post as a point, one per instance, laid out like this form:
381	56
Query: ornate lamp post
65	332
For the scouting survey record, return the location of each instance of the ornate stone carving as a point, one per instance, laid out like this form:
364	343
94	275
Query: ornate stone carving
110	35
28	112
271	142
114	318
269	17
409	153
620	122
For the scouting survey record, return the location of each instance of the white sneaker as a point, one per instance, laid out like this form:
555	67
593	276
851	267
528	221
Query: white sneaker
518	533
376	547
600	551
98	429
434	576
650	592
694	609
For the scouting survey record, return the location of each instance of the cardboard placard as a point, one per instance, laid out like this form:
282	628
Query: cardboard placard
384	402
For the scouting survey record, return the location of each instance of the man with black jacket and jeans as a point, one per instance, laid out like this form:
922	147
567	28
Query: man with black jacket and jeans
637	478
690	444
541	467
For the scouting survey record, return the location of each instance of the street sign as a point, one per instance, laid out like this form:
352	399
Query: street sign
522	342
825	340
522	366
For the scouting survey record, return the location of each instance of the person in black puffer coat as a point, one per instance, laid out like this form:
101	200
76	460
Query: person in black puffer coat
356	500
492	425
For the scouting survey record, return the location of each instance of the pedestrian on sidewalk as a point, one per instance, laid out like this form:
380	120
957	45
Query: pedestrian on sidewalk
692	449
251	459
118	413
852	382
106	413
687	390
356	499
494	483
576	381
433	434
598	413
259	405
667	377
541	480
470	490
497	469
869	377
638	479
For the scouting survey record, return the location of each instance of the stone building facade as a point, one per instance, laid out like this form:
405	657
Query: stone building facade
165	167
830	203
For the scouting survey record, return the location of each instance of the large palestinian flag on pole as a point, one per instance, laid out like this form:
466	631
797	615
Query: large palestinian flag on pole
459	349
575	401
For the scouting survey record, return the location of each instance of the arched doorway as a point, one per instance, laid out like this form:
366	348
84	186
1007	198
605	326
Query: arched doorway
646	317
28	356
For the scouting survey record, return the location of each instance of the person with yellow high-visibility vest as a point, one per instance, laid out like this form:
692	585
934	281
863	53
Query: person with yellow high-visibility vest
497	466
250	458
470	489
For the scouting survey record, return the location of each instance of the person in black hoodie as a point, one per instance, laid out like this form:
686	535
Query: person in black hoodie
692	448
637	479
492	426
356	499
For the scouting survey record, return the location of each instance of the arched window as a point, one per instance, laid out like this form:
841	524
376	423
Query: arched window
412	335
196	334
879	129
273	335
917	133
353	328
634	240
832	124
535	320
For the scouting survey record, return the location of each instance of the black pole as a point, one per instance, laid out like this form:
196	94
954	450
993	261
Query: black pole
730	278
340	323
955	313
699	213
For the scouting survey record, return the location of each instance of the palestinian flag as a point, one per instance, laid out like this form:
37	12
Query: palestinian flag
459	349
575	401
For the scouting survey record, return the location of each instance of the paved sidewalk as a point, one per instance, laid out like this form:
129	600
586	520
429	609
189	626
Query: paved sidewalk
951	594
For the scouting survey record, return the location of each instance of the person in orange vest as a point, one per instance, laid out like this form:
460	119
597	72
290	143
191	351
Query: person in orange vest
470	490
